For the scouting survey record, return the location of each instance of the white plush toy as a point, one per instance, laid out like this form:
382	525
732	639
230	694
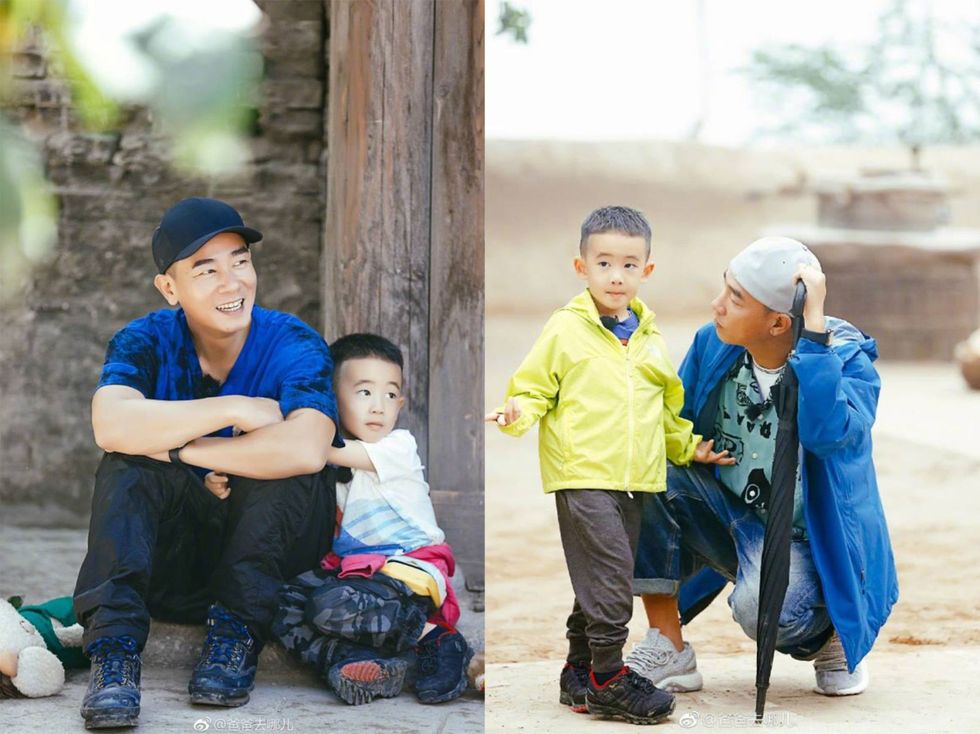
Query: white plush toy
27	667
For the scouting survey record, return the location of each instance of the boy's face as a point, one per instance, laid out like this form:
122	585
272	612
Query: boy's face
741	319
613	266
369	396
215	286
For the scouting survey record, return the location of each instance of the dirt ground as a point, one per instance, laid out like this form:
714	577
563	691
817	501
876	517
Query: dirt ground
927	454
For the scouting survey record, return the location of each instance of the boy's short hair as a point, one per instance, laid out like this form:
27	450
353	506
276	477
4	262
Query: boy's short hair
620	219
360	346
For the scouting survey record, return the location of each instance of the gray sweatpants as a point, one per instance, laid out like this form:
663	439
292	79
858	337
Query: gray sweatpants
599	532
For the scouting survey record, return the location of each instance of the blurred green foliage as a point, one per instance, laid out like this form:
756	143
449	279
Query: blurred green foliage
917	84
201	96
513	21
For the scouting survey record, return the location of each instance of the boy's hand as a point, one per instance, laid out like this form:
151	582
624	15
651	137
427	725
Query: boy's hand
217	484
512	411
705	455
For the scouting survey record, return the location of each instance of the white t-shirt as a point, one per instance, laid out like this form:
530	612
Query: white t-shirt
766	378
387	511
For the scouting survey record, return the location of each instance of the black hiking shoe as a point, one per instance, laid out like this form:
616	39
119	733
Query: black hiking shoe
225	673
630	697
442	659
361	681
113	695
573	685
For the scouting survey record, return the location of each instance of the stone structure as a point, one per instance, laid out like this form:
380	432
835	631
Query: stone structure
894	269
112	189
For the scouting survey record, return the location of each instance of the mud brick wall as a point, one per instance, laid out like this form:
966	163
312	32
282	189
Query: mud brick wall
112	189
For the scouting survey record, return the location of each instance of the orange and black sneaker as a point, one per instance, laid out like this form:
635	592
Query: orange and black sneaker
573	684
630	697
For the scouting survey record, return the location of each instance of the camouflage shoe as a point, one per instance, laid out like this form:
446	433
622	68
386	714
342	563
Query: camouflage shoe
361	681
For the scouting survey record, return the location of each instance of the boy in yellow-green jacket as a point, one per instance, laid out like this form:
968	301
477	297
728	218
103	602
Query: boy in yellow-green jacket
608	398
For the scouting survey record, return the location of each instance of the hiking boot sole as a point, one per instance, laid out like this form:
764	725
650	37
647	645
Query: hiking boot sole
436	697
610	712
577	706
219	698
116	719
363	681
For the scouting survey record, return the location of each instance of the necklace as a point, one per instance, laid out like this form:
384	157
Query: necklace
774	371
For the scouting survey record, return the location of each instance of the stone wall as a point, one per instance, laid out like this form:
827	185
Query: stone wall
112	189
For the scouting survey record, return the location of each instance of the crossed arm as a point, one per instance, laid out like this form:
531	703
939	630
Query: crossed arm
271	447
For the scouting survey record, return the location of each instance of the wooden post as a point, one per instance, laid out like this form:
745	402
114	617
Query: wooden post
456	302
403	237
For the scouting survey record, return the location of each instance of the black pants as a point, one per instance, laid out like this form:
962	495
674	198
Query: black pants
161	545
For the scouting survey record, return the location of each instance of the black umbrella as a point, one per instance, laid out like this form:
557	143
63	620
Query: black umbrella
774	573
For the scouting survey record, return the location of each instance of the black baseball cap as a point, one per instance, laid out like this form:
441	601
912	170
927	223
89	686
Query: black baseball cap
190	223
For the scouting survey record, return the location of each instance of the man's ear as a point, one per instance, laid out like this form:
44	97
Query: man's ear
648	269
782	324
165	284
579	265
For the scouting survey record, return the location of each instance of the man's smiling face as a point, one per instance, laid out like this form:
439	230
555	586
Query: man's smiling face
215	286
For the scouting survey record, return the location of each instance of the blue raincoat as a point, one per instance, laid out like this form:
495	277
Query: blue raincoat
838	397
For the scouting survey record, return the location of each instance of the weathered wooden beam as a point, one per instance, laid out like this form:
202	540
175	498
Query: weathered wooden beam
456	303
376	236
403	237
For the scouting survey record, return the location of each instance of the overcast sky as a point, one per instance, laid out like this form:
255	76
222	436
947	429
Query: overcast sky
627	69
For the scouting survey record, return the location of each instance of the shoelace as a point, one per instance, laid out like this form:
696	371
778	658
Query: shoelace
647	656
227	639
638	682
116	659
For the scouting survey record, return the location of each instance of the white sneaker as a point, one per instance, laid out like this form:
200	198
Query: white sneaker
830	667
657	660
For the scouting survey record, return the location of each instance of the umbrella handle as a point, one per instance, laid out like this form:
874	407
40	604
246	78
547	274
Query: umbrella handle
796	311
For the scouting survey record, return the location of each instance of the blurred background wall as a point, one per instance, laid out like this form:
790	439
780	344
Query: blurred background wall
112	188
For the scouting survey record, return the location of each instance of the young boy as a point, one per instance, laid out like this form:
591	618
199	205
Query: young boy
387	531
608	398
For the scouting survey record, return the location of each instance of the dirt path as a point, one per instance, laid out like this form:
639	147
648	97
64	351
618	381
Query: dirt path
928	457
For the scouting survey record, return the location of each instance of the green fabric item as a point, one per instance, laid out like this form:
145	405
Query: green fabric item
40	615
746	425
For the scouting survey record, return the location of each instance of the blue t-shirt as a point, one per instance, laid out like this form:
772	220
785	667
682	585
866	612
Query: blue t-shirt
624	329
282	359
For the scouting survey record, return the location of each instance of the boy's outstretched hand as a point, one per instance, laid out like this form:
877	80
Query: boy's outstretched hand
705	455
512	411
217	484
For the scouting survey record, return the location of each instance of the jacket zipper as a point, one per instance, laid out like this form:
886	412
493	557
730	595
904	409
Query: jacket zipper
629	430
629	399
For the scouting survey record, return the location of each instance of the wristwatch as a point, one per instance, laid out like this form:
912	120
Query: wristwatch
820	337
174	455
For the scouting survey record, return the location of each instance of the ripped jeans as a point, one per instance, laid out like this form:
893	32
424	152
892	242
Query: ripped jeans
696	522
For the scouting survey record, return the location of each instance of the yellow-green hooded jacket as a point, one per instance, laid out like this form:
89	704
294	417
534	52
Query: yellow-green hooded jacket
609	413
